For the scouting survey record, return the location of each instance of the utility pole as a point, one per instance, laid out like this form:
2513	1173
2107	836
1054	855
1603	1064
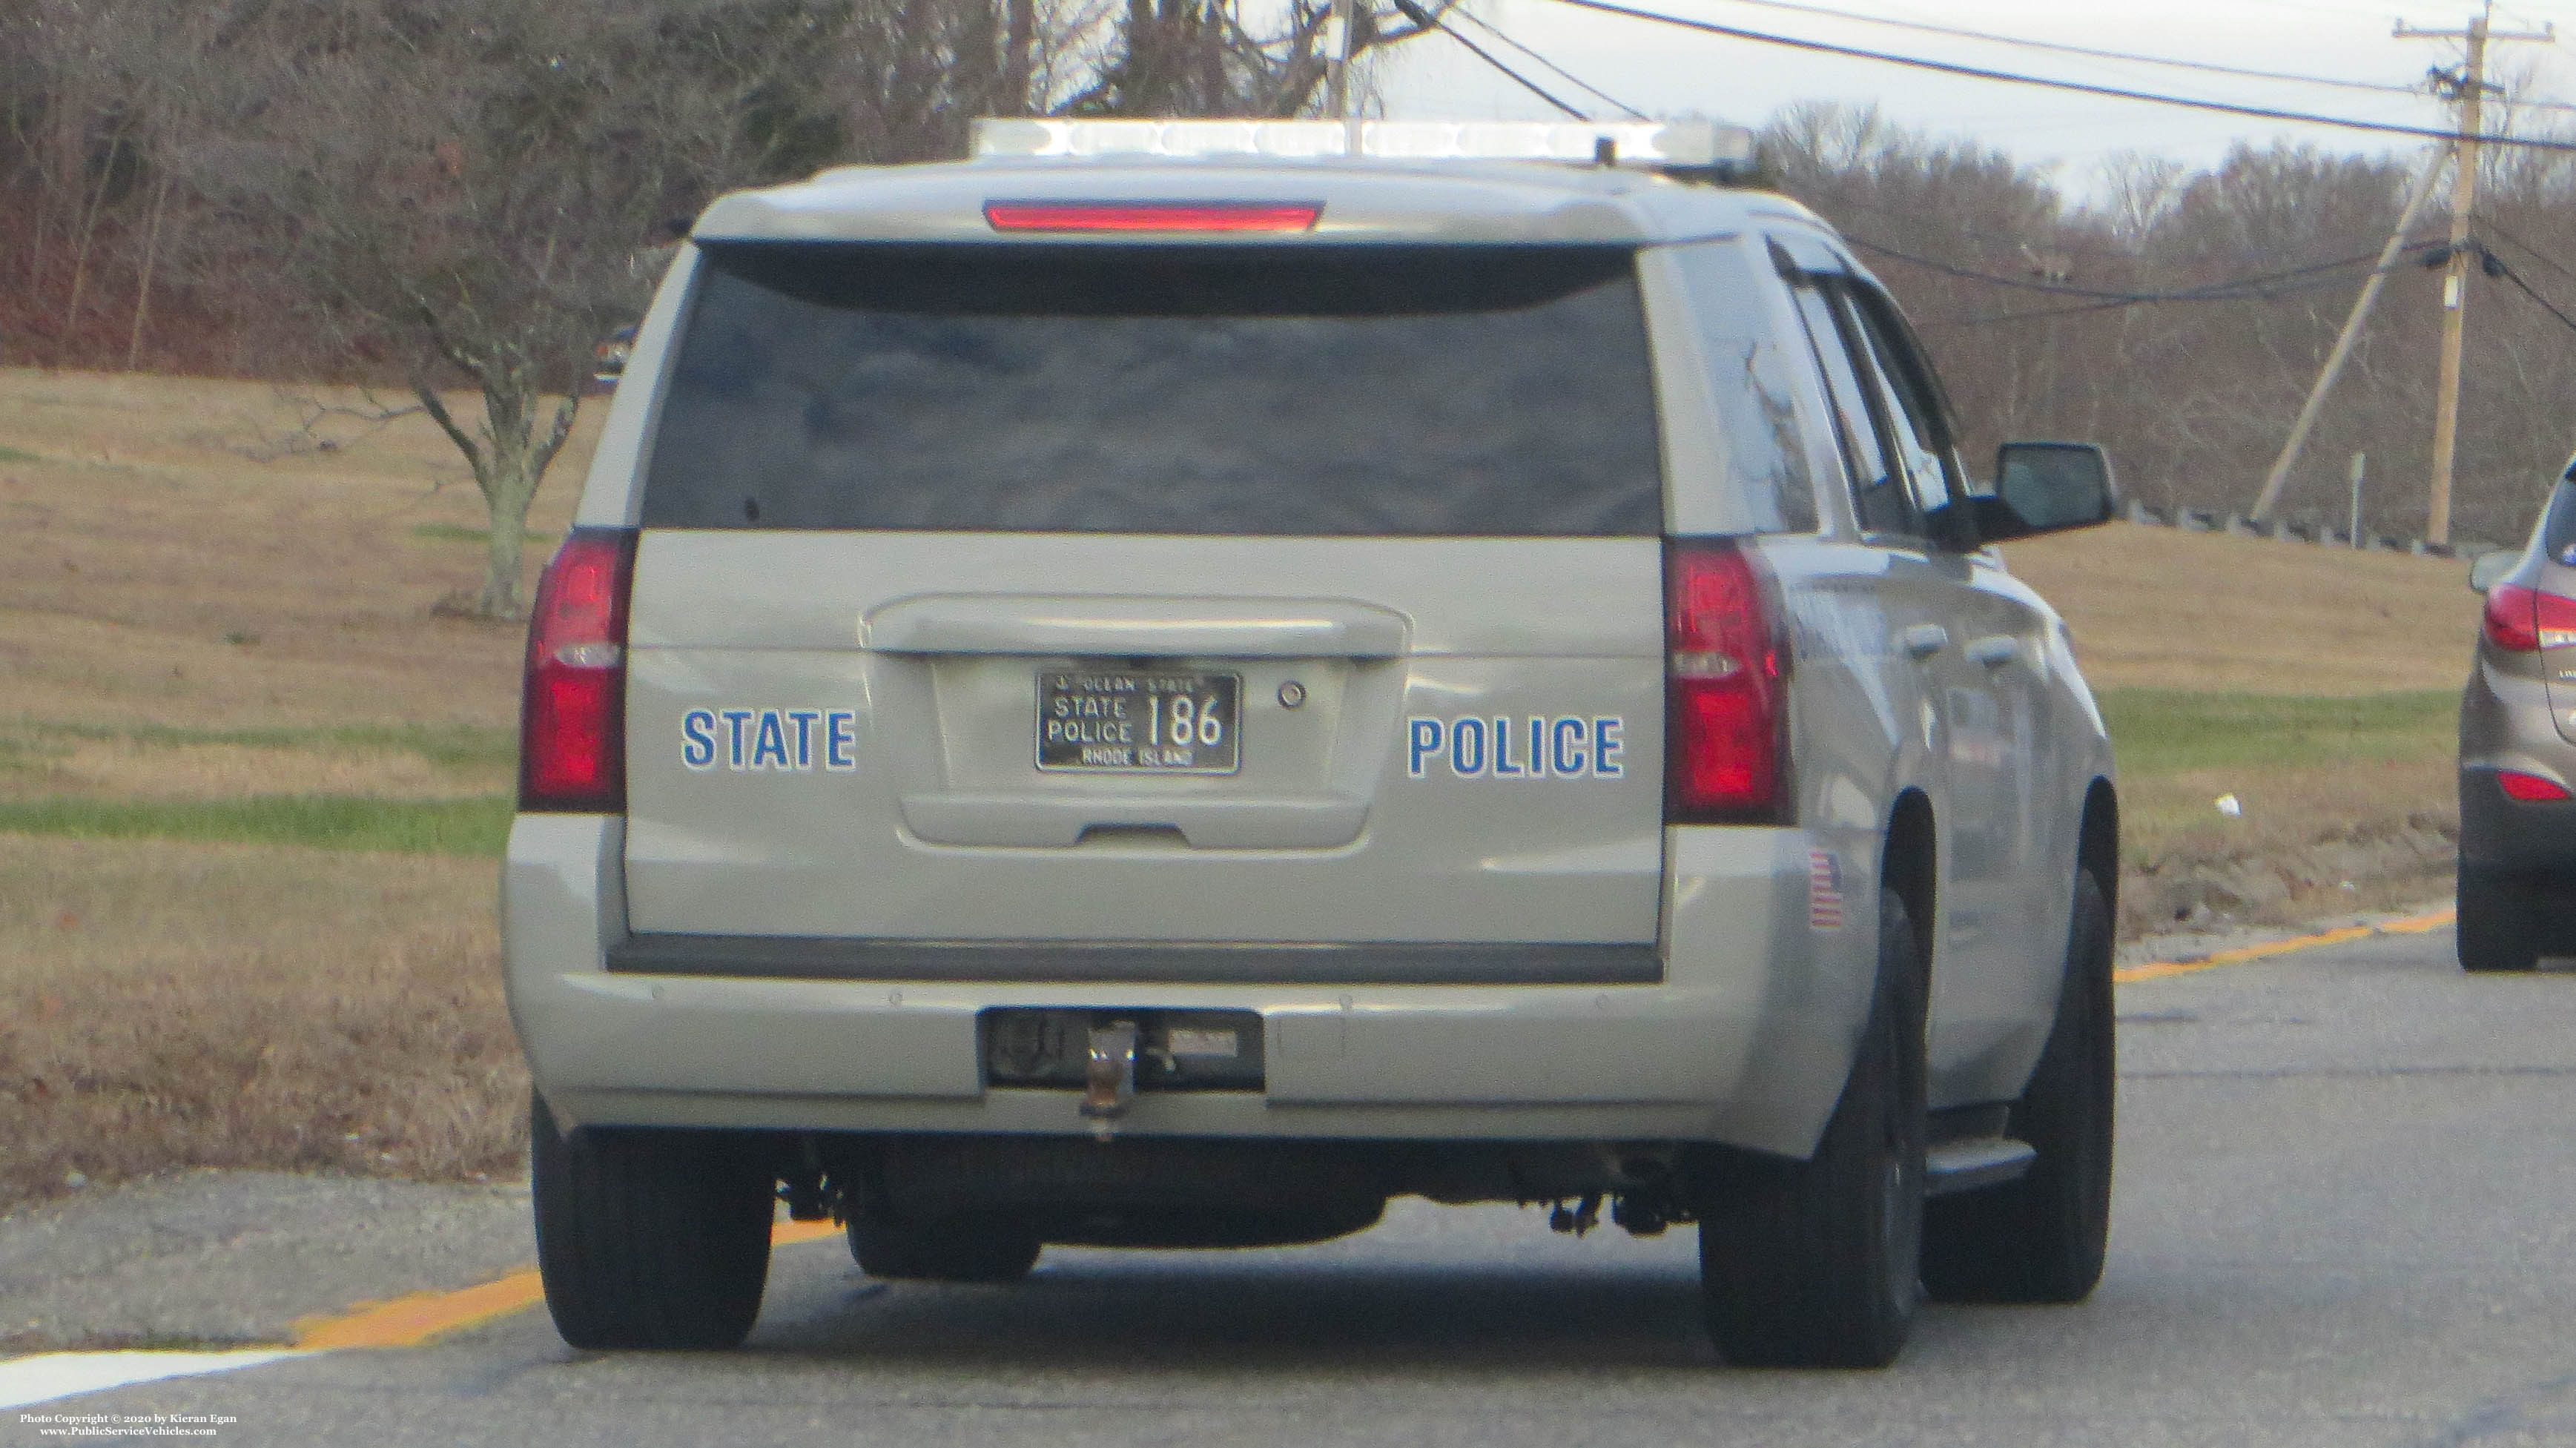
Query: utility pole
2469	87
1337	77
2420	193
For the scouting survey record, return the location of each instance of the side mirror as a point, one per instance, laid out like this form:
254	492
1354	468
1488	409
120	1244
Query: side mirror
2491	568
2046	487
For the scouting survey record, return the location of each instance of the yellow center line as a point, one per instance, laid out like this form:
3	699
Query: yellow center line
2161	969
415	1318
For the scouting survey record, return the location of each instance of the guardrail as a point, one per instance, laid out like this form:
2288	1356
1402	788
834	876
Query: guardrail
2289	530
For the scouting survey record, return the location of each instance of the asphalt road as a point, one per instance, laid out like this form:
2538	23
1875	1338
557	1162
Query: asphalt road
2344	1207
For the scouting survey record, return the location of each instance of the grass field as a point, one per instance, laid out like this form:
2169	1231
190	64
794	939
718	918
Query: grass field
250	784
250	788
2318	686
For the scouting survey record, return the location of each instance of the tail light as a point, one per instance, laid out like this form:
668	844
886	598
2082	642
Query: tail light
572	708
2522	620
2529	788
1151	215
1725	689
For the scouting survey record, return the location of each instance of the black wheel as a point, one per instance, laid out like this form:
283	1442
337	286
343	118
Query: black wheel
2041	1238
1813	1263
962	1249
2499	924
649	1239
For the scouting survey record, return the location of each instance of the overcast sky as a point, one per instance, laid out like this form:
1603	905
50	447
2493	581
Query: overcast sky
1663	70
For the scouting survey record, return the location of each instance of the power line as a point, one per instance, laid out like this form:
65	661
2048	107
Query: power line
2500	268
2245	289
2213	291
1428	21
2026	43
1495	31
2544	258
2515	277
1978	72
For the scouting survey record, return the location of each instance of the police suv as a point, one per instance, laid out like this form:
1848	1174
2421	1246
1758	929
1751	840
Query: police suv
1170	682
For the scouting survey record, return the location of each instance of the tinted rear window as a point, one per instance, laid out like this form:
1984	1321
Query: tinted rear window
1315	391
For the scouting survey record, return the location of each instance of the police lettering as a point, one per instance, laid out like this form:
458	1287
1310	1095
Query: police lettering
1566	746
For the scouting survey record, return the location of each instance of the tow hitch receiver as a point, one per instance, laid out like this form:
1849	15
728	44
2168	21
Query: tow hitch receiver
1110	1082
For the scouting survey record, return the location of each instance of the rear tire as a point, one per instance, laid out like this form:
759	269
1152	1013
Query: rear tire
649	1239
2041	1238
2499	925
956	1250
1813	1263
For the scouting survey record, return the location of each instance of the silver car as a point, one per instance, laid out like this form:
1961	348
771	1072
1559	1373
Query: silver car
2517	887
1172	682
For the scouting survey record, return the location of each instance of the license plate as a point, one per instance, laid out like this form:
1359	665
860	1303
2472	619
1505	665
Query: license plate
1139	721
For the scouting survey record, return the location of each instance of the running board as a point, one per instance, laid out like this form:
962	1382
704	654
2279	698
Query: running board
1972	1162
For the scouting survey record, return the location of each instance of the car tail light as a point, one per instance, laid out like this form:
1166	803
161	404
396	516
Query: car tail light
2521	620
1151	215
572	708
1725	688
2530	788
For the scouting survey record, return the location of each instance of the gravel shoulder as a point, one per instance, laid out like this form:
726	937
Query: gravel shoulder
233	1258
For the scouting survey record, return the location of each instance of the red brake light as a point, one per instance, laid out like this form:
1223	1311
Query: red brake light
1725	689
2530	788
572	708
1151	215
2520	620
2512	618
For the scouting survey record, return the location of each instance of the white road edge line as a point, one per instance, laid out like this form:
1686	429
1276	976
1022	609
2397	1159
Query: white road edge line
49	1376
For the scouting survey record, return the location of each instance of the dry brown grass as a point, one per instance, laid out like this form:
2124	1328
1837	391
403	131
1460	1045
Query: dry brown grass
159	563
2159	608
235	771
166	568
166	1005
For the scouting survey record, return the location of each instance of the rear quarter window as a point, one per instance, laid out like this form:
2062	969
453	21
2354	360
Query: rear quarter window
1319	390
1753	383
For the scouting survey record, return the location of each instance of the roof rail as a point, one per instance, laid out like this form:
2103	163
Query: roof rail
1689	147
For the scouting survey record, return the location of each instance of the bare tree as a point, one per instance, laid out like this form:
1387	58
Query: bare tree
462	189
1222	58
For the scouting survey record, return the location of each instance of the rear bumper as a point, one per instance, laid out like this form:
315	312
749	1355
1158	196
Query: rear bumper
1745	1039
2511	838
2506	723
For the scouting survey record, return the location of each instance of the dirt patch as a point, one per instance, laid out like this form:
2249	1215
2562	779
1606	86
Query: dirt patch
2367	866
166	1005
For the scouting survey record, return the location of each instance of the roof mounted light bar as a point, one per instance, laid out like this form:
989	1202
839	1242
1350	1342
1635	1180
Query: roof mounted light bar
1649	145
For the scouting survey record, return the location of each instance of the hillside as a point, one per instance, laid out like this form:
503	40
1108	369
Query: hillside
2159	608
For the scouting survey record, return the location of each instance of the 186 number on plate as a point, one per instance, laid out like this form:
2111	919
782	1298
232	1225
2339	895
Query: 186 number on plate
1138	721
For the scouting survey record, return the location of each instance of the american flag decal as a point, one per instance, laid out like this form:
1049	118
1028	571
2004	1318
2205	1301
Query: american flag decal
1824	890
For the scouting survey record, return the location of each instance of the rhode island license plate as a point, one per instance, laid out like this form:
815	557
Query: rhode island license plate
1139	721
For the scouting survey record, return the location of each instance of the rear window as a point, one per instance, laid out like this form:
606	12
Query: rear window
1315	391
2559	538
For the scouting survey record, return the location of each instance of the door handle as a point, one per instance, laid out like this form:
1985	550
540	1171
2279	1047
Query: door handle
1995	650
1923	640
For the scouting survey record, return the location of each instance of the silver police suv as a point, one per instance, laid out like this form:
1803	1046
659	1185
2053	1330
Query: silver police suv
1171	682
2517	891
